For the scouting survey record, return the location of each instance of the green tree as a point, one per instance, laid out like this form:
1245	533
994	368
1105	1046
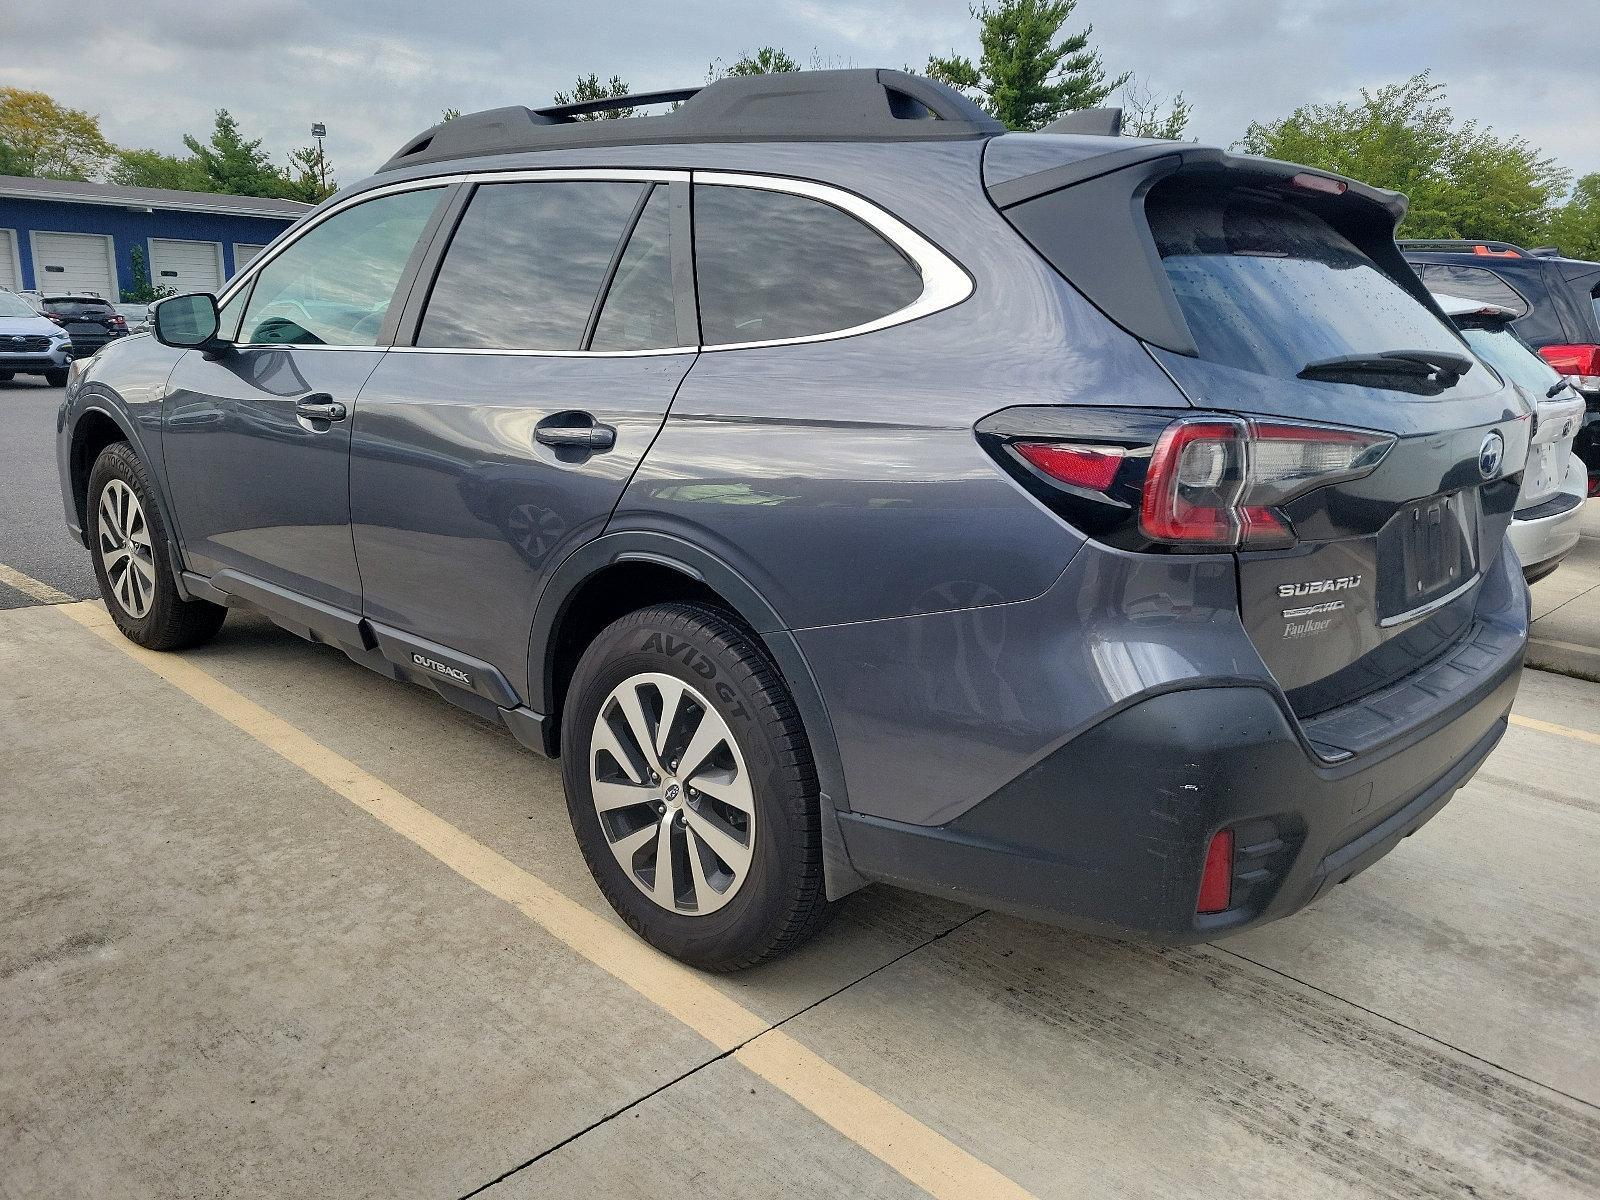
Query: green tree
448	114
10	161
1463	180
590	87
142	291
309	176
1143	115
767	60
153	169
233	165
50	142
1575	226
1024	75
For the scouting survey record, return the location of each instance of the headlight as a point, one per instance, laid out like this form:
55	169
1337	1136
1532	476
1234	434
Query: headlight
61	335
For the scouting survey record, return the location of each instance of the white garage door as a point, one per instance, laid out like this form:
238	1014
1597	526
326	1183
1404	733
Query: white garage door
10	268
186	266
243	252
73	262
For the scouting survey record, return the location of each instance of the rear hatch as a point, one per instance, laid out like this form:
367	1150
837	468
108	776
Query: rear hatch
88	320
1276	297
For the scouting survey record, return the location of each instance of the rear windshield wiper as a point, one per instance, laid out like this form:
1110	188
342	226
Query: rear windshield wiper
1556	389
1442	363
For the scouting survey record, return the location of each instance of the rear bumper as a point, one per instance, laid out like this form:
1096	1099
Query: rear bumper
1108	833
1546	533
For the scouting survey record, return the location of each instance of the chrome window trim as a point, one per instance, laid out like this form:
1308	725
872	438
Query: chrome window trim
944	282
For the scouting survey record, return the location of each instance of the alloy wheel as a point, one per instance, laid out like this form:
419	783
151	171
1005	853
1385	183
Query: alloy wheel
673	794
125	549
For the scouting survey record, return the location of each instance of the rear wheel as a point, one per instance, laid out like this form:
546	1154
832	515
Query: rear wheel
692	790
132	562
56	378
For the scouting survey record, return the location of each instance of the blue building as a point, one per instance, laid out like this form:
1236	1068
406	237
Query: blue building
63	236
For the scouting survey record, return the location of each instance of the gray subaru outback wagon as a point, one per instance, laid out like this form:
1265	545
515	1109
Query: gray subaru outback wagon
1106	530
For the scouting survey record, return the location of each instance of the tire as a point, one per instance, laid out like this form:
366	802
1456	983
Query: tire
56	378
144	604
725	915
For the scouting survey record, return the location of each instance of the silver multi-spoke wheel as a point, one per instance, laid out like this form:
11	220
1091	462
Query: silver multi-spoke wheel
673	794
125	549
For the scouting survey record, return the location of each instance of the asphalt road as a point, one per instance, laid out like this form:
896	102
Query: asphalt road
33	537
273	925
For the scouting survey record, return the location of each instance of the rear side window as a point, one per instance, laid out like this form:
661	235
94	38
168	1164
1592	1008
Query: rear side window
1268	287
333	286
526	264
771	265
1473	283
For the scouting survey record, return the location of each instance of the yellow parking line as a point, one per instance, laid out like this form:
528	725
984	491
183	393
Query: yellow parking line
42	592
1566	731
920	1154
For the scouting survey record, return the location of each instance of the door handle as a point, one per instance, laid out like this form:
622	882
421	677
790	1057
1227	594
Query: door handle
320	408
576	431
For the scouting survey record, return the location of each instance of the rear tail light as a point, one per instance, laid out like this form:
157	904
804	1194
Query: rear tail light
1142	479
1216	877
1581	364
119	320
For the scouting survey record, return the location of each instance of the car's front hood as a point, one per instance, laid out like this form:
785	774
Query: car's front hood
27	327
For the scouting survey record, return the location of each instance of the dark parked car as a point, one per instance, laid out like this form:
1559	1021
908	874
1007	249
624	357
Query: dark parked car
91	321
850	490
1557	305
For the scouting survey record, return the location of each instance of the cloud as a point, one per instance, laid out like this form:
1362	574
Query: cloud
378	71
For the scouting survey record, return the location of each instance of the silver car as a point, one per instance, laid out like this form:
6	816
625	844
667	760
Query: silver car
1549	513
31	344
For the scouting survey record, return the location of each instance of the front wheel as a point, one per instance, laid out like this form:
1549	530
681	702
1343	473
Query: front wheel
132	562
56	378
691	788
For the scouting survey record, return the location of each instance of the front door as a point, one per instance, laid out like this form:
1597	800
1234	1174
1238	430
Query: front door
543	365
257	440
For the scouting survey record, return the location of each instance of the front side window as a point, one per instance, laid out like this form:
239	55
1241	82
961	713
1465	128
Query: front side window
334	285
771	265
525	266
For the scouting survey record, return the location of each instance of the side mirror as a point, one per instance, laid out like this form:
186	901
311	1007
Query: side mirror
188	322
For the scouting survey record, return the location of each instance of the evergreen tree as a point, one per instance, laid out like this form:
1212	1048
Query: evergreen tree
1024	75
235	166
589	87
309	176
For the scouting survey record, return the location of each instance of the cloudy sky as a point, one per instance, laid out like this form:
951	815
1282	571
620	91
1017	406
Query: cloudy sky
377	71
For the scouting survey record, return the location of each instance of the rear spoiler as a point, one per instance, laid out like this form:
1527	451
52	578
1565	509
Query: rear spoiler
1086	217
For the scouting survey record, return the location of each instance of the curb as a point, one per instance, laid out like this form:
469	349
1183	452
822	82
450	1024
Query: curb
1564	658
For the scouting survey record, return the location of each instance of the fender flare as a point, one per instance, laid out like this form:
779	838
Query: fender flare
697	564
130	433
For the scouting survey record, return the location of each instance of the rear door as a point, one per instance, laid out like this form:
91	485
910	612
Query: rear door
1290	318
541	364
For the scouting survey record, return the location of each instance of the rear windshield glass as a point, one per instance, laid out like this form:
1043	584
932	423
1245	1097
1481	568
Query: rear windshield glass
1268	287
1504	351
77	308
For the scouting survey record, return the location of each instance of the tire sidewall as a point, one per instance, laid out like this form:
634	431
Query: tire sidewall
118	461
653	642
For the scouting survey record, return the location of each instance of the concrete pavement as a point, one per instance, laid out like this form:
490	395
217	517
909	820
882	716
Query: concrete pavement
1566	608
219	977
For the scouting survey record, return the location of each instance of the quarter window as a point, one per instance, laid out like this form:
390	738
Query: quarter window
334	285
772	265
639	311
525	265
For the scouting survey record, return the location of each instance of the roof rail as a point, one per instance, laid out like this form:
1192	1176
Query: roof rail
835	106
1106	122
1483	247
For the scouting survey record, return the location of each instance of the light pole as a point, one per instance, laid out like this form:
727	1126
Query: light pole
320	131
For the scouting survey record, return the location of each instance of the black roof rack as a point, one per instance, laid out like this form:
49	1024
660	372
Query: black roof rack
833	106
1487	247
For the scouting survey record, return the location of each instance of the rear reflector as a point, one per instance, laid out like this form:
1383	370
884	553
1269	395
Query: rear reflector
1216	880
1092	467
